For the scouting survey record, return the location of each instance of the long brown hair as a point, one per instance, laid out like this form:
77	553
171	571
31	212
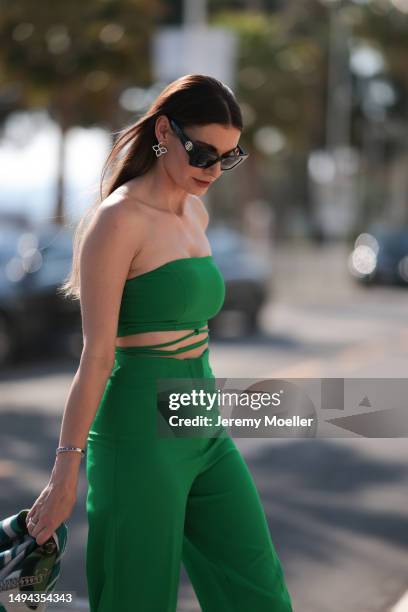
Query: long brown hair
193	99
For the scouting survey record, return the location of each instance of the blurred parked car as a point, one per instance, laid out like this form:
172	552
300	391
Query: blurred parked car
246	276
380	256
32	264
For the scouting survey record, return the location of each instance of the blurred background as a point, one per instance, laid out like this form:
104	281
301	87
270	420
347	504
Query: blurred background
311	234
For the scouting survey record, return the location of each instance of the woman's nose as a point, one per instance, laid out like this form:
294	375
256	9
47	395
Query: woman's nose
214	171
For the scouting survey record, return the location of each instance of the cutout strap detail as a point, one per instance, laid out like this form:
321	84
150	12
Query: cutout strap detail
152	349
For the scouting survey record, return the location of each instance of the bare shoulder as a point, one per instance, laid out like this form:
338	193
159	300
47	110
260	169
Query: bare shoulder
119	212
202	211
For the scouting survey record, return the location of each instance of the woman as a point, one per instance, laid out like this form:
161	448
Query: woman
147	281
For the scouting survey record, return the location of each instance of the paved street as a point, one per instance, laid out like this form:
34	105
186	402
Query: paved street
336	506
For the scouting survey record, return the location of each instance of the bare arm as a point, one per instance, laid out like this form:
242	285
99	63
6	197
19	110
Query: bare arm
107	251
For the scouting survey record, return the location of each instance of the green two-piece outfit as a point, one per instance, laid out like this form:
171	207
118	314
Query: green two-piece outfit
154	501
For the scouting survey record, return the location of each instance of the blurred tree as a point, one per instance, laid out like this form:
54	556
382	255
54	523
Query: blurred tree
386	27
74	59
281	85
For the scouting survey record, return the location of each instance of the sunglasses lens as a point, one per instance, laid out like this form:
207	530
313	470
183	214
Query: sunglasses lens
203	159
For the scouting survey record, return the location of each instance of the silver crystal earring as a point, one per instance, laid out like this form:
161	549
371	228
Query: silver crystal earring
159	149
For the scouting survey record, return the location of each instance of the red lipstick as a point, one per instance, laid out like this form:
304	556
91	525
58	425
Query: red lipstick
202	183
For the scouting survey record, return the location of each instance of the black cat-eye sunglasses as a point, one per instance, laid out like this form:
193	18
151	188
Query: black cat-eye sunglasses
204	156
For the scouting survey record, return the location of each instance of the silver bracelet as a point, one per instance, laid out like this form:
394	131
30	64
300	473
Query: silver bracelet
62	449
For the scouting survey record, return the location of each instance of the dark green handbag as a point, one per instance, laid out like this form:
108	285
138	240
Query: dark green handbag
28	569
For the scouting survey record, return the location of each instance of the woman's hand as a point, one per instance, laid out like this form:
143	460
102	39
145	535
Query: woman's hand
53	506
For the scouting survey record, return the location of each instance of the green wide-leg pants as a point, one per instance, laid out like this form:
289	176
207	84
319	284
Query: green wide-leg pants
155	501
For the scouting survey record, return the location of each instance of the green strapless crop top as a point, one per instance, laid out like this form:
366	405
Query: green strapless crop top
180	294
